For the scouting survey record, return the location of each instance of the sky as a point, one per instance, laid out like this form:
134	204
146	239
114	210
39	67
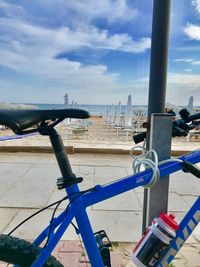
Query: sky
96	51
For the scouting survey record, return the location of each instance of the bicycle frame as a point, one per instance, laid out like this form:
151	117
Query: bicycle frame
186	227
78	206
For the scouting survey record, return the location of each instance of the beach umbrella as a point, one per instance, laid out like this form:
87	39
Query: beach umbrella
118	117
66	104
66	101
105	113
189	106
112	114
128	113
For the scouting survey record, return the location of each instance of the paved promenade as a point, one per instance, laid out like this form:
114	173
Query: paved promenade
28	182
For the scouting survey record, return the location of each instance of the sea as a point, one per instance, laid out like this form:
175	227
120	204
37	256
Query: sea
93	109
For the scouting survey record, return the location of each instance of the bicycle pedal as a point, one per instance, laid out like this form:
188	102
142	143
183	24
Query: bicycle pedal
104	244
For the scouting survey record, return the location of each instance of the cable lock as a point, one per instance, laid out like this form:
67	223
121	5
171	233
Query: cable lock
148	160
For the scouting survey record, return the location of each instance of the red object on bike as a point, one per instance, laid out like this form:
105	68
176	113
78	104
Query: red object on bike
155	240
169	219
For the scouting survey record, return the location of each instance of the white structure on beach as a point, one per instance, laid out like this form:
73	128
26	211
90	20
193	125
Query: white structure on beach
128	114
128	118
118	116
189	106
66	100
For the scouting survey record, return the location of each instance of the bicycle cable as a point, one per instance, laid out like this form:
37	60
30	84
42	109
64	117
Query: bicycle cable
50	205
34	214
77	195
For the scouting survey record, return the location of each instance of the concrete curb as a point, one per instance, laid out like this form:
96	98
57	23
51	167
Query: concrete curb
72	150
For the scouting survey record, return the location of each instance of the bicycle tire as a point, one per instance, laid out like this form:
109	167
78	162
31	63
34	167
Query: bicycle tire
21	252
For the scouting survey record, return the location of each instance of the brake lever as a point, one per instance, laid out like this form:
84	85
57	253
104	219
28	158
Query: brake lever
177	131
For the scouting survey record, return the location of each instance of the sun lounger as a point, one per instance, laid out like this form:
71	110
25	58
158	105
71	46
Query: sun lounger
195	132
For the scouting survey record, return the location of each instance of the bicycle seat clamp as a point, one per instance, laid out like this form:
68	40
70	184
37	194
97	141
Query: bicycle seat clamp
62	182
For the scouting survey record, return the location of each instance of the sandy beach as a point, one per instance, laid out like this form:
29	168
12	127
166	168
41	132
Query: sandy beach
98	135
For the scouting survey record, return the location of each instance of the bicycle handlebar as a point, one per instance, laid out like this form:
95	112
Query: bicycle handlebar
189	167
180	127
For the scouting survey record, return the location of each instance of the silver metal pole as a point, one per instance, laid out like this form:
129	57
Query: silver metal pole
160	141
158	69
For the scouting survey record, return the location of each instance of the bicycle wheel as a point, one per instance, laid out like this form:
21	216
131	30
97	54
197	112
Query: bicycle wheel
22	253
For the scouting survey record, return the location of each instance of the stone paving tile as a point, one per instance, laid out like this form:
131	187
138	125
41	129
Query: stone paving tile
104	175
101	160
6	215
10	173
177	203
189	256
31	229
72	252
69	253
184	183
87	172
124	202
20	157
122	226
33	189
189	199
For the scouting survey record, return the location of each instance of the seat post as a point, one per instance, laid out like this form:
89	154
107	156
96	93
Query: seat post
61	155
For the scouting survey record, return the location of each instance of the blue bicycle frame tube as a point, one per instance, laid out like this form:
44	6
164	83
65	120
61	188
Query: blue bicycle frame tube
186	227
45	232
71	192
77	210
89	241
78	207
55	237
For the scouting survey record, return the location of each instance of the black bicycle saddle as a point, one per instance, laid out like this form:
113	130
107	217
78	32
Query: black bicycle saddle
20	120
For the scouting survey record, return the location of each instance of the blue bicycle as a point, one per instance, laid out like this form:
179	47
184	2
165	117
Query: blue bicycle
22	253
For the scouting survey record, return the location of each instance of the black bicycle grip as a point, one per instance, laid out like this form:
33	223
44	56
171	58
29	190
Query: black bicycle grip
139	137
194	117
189	167
177	131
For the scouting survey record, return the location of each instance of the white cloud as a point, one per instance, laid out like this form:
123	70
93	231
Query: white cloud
192	31
112	11
10	9
181	86
189	80
196	3
64	39
30	47
186	60
196	63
